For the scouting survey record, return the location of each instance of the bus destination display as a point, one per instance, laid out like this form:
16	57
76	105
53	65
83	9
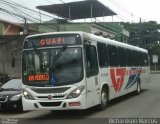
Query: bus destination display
52	40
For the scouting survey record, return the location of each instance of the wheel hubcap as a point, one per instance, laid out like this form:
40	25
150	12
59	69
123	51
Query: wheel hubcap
138	87
104	98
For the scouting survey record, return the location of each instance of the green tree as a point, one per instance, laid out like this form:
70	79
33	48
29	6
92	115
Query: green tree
145	35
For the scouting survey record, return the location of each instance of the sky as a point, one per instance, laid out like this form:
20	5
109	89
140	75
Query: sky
127	10
145	9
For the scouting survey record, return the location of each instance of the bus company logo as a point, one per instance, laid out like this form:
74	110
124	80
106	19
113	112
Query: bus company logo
133	77
49	97
117	77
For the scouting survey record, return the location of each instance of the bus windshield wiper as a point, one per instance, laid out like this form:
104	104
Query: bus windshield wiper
60	52
56	56
35	49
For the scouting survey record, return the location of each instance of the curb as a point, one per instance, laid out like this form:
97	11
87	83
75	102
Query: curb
155	72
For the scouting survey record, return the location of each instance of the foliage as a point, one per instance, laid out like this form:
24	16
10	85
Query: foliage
145	35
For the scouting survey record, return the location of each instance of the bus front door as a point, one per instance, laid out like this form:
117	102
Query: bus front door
92	77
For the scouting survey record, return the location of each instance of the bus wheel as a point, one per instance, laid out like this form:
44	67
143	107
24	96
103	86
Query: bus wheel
138	87
104	99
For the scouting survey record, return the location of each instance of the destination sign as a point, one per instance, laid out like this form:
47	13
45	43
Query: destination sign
38	77
52	40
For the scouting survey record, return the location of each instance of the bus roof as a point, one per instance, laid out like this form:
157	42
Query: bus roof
86	36
112	42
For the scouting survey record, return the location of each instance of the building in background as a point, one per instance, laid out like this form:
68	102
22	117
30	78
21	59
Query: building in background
112	30
10	28
82	10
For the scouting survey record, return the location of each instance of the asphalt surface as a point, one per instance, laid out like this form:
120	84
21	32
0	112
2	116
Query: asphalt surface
144	105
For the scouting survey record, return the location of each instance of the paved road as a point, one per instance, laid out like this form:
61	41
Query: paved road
144	105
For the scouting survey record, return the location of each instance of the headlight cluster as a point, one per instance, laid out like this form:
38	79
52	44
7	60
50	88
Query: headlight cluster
75	93
27	95
16	97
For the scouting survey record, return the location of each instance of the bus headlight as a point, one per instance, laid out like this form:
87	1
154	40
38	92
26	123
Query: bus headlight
16	97
27	95
75	93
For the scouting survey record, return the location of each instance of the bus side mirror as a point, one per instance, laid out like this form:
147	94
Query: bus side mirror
13	61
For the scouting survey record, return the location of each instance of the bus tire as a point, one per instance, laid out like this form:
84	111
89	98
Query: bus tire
138	91
104	99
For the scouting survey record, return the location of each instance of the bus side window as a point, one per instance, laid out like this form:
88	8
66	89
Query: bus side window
129	57
136	58
91	61
122	56
145	59
113	56
102	55
141	59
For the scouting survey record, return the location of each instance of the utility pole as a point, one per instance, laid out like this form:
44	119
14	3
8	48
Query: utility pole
140	20
25	28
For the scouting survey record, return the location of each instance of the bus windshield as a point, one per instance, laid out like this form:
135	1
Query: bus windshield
52	67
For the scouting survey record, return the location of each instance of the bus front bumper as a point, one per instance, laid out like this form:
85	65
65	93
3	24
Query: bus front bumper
65	104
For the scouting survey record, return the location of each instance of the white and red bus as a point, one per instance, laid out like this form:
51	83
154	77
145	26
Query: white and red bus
77	70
